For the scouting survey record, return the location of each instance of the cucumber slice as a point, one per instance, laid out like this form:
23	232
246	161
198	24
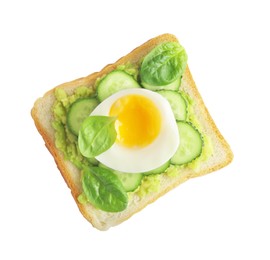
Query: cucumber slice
191	144
130	181
92	161
175	85
158	170
177	102
114	82
78	111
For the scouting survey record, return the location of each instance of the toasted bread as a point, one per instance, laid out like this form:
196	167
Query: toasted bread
43	116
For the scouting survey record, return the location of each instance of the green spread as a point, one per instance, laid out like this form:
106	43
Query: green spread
149	184
67	142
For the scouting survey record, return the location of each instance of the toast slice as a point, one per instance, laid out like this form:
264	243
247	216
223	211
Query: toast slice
43	117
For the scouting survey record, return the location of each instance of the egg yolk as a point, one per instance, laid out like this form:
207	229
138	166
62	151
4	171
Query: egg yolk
138	120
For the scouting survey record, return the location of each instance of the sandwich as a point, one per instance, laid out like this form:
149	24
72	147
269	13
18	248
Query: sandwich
126	135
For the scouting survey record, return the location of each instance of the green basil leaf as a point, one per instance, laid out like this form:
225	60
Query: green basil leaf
164	64
104	190
97	134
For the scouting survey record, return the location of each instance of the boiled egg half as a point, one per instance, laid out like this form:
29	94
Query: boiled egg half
147	134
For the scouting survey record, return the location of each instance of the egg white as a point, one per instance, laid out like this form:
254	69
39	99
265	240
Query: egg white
136	160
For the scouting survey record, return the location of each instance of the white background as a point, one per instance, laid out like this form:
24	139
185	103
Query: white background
224	215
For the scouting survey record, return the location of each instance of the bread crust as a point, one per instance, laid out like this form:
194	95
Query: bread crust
43	116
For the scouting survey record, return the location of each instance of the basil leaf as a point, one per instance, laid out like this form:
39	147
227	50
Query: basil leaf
104	190
164	64
97	134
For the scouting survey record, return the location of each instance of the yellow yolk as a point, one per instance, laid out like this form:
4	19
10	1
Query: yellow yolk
138	120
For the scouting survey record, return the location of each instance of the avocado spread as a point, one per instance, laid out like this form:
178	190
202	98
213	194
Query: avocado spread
67	142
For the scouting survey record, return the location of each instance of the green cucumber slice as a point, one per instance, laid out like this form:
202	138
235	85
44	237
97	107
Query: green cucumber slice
191	144
93	161
78	111
175	85
130	181
158	170
114	82
177	102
